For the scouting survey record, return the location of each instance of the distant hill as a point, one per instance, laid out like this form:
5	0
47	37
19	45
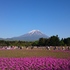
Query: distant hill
30	36
1	39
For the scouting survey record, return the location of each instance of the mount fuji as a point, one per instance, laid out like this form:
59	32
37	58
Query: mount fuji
30	36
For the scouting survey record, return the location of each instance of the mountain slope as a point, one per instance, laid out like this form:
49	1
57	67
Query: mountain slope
30	36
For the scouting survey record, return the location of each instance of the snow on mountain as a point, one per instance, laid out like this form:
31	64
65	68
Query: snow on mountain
35	32
30	36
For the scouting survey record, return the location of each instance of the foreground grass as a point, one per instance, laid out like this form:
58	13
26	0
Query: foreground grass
34	53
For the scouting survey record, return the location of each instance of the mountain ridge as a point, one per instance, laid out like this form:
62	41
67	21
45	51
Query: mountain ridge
30	36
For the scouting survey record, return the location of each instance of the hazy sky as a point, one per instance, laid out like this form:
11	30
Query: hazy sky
17	17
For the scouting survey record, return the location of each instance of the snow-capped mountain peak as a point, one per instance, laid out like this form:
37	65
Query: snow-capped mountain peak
34	31
30	36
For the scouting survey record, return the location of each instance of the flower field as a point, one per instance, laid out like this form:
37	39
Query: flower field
35	59
34	63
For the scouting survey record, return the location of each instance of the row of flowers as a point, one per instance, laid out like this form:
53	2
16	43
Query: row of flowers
34	63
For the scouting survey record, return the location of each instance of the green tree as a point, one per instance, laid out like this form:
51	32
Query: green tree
67	41
35	43
42	42
54	41
62	42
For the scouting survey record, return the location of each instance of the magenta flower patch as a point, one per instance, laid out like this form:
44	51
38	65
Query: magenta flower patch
35	63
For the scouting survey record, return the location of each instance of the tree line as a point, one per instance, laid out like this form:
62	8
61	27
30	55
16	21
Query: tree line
52	41
15	43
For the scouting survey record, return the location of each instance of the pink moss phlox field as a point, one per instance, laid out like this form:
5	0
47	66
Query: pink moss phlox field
34	63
